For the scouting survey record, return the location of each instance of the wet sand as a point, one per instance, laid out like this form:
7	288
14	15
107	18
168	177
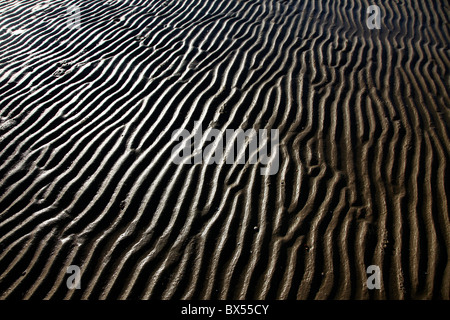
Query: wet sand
86	177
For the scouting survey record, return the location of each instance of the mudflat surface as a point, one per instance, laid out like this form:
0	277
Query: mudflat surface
86	177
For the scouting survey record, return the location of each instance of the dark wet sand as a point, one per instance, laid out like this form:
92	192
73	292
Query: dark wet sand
85	146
